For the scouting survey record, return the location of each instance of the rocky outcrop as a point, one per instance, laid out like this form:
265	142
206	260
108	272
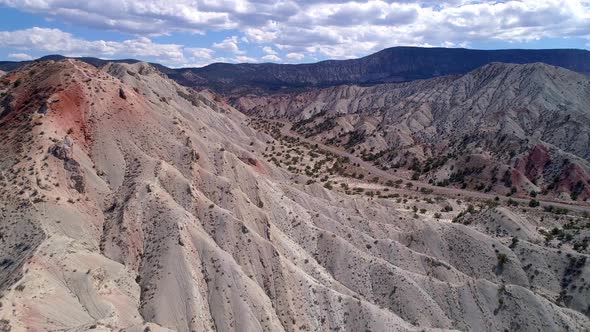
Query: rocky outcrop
76	175
122	93
533	164
64	150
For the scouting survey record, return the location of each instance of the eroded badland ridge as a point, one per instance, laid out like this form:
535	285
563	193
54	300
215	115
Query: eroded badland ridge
500	128
129	202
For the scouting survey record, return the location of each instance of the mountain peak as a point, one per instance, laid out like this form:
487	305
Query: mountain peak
140	68
54	57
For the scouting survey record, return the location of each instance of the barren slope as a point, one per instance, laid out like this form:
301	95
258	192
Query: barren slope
127	201
500	126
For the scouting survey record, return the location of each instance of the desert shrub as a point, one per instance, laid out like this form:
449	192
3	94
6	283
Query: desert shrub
426	191
447	208
555	209
513	243
502	260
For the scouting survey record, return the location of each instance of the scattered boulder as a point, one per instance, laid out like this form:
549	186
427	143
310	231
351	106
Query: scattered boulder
122	93
43	109
76	176
195	155
248	160
63	150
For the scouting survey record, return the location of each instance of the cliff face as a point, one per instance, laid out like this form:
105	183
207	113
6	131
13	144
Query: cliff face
499	111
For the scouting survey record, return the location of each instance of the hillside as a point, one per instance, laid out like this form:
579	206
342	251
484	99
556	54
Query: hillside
497	127
131	203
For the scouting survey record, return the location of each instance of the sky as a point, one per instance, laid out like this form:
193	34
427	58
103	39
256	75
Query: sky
194	33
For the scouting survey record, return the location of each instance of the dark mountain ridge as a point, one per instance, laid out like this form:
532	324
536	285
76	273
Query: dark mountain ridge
396	64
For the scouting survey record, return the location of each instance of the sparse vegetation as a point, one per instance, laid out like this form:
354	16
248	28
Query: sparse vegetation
502	260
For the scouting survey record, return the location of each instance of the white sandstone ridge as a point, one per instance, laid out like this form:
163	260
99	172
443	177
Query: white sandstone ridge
181	225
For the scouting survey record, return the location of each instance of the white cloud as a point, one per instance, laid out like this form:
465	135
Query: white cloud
271	57
323	28
142	16
57	41
244	59
229	44
20	56
268	50
295	56
200	57
200	53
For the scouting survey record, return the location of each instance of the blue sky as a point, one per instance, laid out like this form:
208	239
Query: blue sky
198	32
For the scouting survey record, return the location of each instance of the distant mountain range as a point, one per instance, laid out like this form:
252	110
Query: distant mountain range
397	64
